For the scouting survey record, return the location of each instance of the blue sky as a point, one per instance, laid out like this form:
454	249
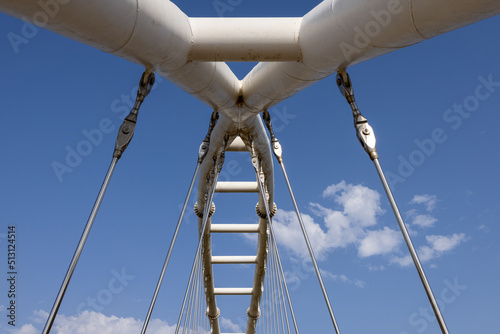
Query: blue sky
443	166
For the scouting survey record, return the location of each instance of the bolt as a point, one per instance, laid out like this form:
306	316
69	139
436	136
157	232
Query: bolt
366	131
126	130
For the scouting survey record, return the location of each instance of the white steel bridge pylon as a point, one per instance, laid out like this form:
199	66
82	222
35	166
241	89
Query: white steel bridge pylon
265	244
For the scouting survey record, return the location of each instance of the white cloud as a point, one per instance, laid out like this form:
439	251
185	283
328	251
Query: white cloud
342	278
441	243
484	228
360	207
424	220
97	323
361	204
26	329
351	221
288	233
438	245
428	200
229	326
40	316
376	268
351	225
379	242
403	261
340	230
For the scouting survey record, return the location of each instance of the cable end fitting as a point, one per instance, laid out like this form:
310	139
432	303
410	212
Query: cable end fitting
345	86
125	134
366	136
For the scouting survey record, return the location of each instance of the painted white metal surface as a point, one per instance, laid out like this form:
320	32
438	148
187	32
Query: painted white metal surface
153	33
334	35
237	187
234	259
340	33
245	39
238	145
234	228
233	291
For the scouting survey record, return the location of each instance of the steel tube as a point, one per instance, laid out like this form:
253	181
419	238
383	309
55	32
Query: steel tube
234	228
237	187
245	39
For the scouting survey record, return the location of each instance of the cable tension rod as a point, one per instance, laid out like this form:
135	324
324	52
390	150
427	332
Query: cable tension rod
218	162
202	152
265	198
125	134
366	137
278	153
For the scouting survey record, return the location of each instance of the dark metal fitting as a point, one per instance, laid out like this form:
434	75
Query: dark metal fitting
145	86
267	119
263	215
125	134
203	150
126	131
200	213
278	152
213	317
345	86
222	157
254	156
275	144
253	317
366	137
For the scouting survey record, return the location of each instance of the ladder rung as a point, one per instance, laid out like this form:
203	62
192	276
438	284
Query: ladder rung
237	145
234	228
237	187
239	259
233	291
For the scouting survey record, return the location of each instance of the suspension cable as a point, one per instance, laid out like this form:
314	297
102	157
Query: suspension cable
202	152
256	165
218	162
125	134
366	137
278	153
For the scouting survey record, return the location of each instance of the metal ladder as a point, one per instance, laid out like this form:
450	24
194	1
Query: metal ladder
259	259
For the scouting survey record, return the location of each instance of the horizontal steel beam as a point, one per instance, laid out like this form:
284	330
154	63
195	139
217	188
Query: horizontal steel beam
235	259
233	291
237	187
234	228
245	39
